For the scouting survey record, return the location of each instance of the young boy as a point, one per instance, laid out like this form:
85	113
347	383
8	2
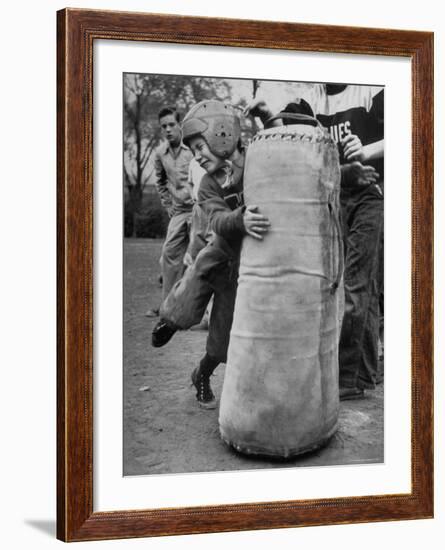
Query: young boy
212	131
172	159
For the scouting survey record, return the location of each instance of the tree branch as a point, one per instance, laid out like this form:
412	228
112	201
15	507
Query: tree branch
130	113
147	152
147	178
127	178
132	89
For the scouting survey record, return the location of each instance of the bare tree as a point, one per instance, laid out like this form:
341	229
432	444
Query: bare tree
139	140
144	96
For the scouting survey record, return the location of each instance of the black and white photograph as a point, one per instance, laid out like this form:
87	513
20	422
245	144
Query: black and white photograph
253	322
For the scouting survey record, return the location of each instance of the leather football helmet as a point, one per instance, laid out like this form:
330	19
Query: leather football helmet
217	123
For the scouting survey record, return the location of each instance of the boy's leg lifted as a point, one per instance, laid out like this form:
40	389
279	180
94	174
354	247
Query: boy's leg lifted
188	299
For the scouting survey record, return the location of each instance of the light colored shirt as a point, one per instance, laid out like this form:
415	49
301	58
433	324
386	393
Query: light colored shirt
196	172
172	173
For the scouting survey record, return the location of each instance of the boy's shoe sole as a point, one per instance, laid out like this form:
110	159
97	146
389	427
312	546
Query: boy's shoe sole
162	333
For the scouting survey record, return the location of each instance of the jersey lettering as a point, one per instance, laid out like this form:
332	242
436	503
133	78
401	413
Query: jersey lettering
340	131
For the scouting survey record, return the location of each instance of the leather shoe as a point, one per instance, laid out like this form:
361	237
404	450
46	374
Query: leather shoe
162	333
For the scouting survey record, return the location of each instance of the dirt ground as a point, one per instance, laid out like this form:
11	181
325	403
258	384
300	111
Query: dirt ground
164	429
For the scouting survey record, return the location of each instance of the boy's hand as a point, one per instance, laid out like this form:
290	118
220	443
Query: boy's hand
356	174
256	224
353	148
258	108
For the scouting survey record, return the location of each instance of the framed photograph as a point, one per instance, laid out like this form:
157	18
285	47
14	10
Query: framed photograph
165	424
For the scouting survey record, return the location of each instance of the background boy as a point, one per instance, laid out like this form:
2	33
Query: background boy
172	159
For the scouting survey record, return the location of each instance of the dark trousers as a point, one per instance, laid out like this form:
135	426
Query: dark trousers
213	273
362	218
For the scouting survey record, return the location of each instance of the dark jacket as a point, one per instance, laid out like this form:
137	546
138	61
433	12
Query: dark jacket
224	209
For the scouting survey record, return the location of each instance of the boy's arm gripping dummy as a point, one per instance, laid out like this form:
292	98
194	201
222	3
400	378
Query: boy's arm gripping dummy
230	224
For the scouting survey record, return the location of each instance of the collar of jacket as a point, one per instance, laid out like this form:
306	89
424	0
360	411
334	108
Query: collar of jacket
167	147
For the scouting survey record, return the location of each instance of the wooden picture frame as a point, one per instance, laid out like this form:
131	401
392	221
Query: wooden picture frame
77	31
